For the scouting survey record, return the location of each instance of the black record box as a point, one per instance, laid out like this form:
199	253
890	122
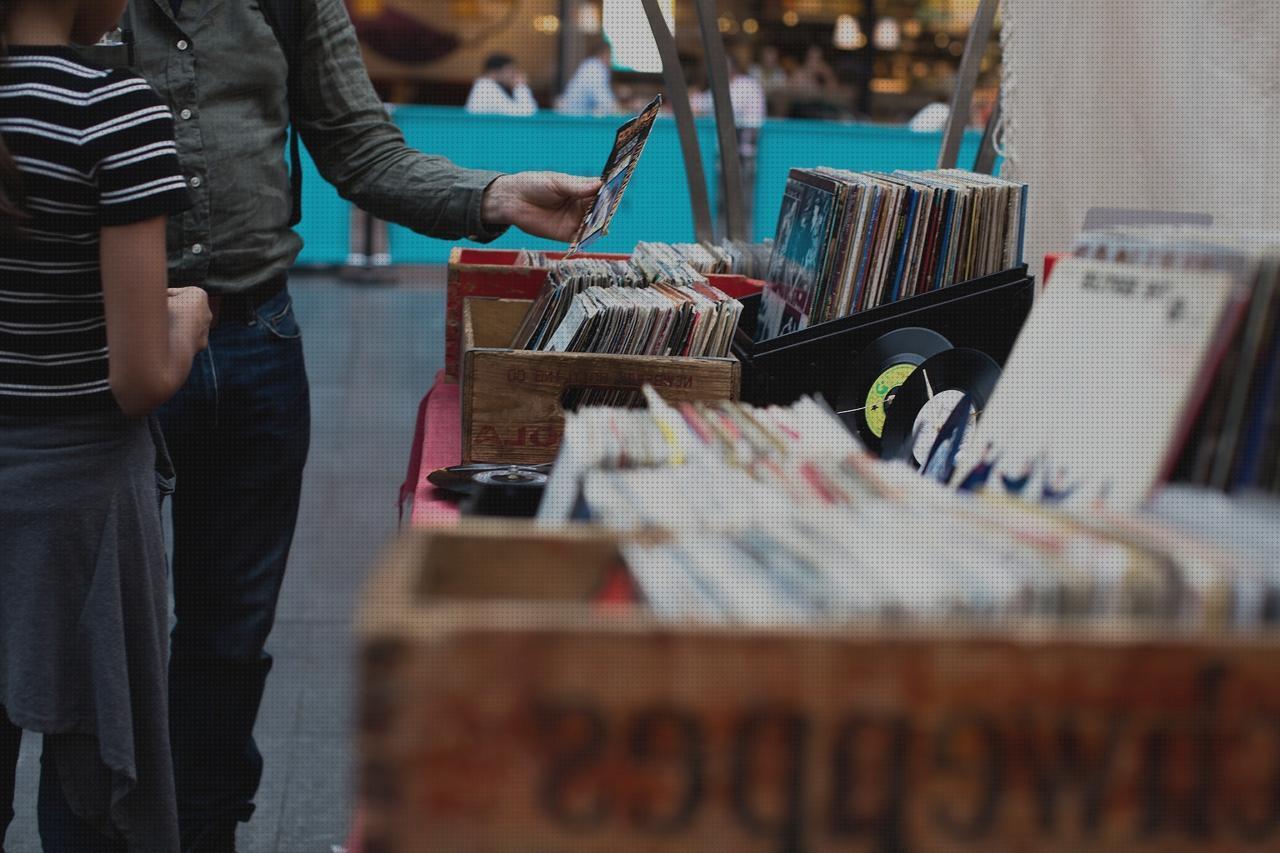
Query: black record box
984	314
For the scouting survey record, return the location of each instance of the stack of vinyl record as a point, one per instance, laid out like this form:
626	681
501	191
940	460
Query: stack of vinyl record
847	242
635	307
728	257
1124	374
629	308
777	515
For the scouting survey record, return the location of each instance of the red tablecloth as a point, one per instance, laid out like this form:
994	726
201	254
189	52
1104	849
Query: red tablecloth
437	444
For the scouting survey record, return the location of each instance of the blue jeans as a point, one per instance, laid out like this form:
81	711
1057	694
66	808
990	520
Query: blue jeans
238	433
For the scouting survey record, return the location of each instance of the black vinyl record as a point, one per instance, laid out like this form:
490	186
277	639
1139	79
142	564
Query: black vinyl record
940	382
465	479
513	491
877	373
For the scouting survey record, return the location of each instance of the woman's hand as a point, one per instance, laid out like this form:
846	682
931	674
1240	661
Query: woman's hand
189	317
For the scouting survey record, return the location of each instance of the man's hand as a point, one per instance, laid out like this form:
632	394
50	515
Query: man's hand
544	204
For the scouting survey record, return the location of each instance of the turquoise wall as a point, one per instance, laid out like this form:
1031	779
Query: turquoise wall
656	206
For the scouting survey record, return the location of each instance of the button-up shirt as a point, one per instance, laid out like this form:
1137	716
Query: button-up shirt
222	71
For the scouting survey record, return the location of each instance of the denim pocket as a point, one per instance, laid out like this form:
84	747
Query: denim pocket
276	315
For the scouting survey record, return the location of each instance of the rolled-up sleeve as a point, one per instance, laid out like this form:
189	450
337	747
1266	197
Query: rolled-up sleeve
360	151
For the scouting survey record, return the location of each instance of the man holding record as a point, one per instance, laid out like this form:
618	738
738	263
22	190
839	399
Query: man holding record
236	76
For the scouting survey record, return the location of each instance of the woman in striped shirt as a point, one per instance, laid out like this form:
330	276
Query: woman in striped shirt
91	341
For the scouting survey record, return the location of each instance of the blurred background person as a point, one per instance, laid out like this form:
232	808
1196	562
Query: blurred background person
932	118
590	92
746	95
815	76
770	73
813	90
502	89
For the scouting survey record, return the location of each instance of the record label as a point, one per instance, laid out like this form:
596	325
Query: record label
881	390
875	375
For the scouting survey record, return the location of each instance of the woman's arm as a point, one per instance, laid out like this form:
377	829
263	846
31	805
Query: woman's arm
151	337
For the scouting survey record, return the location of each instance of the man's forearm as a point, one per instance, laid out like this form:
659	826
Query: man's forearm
429	195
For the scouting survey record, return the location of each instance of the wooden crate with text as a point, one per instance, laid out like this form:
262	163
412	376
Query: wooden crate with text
502	712
512	399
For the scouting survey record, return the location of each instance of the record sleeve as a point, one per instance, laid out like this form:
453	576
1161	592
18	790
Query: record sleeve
621	165
1110	369
800	249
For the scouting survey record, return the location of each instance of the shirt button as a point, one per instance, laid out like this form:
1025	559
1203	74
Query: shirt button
196	181
186	114
197	248
183	44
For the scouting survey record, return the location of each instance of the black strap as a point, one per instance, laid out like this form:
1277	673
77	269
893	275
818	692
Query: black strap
285	18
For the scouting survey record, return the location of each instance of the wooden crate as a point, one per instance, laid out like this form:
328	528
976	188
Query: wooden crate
511	399
501	713
493	273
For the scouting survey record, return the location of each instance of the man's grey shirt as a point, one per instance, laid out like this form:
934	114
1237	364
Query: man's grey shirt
221	69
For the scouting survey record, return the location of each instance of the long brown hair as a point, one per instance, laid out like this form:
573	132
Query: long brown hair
11	194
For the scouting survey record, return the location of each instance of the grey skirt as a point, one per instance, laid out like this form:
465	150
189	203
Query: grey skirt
84	614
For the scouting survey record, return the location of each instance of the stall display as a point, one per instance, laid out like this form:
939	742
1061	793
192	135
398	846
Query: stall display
930	566
503	707
950	578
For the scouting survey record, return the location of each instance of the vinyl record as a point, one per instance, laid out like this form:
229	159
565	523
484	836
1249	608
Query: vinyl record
519	476
929	396
512	491
464	479
877	373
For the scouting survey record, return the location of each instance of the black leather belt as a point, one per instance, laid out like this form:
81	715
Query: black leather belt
242	306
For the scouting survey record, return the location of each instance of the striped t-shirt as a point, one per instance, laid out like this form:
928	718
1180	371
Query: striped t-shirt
95	149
